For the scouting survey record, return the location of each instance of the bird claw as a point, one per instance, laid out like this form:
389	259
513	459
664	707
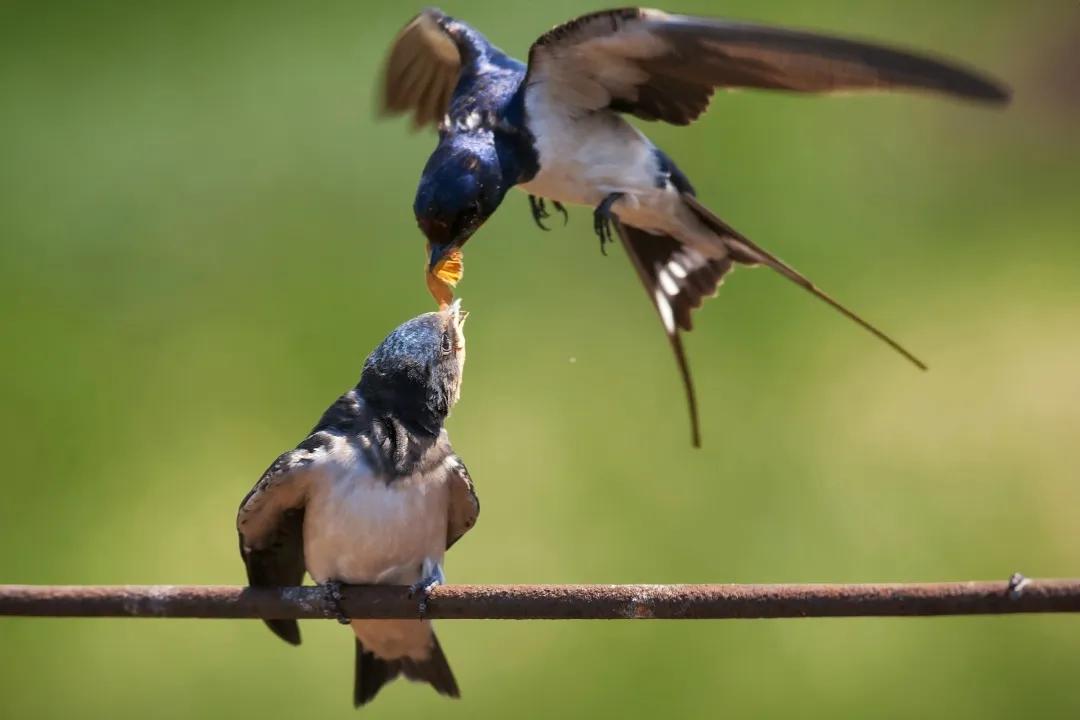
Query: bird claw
423	588
538	206
332	594
1017	583
560	208
539	212
602	220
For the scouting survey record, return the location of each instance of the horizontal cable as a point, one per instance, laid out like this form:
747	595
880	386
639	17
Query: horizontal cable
549	602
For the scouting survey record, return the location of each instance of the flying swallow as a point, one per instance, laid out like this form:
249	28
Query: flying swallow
555	128
373	495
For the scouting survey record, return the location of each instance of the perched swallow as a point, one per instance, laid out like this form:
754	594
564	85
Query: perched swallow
555	128
373	495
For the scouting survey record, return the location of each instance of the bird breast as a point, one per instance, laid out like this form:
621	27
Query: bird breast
585	158
360	529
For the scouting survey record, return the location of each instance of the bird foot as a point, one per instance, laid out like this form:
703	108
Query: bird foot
1017	583
421	589
539	212
562	209
602	220
332	594
538	206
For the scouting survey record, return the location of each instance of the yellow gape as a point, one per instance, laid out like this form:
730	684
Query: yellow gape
445	276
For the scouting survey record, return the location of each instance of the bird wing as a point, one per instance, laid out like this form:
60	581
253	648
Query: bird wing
678	279
666	67
270	523
421	70
464	504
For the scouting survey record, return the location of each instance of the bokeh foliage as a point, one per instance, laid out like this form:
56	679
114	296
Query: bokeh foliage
204	229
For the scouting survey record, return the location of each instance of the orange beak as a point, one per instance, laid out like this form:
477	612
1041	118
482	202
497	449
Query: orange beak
442	278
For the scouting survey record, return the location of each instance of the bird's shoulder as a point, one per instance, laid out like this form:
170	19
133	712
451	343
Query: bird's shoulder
488	101
442	71
281	487
345	418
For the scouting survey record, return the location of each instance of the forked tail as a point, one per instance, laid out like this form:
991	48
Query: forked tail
678	279
372	672
746	252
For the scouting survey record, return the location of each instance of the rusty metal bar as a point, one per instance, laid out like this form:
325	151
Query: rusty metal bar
550	602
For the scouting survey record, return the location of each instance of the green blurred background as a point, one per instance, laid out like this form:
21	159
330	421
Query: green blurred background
204	230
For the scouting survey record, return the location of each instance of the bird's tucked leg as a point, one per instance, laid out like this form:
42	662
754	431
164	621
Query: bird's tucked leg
332	593
602	219
431	577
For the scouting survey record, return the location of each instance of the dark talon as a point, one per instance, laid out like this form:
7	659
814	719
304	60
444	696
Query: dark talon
602	220
539	212
332	593
423	588
1017	583
565	215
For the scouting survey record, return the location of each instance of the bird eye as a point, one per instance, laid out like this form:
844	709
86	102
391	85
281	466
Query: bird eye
447	344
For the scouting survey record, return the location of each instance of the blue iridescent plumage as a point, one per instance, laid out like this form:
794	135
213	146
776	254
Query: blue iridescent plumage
484	147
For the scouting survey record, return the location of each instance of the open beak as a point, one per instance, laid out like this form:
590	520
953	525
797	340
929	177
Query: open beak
446	263
445	268
435	256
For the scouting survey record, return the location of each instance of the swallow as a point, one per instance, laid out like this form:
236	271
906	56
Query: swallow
373	495
556	128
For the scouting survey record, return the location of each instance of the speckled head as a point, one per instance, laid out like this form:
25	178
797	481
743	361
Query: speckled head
415	373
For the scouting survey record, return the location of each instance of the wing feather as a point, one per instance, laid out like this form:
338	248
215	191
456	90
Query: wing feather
665	67
464	503
421	70
270	525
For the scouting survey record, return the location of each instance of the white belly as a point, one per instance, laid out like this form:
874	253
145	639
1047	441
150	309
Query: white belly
584	159
360	530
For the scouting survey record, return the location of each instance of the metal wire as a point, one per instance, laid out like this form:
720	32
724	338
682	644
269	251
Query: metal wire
549	602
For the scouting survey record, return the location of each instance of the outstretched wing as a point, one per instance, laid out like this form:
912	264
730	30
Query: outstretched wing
677	279
464	504
422	69
270	523
666	67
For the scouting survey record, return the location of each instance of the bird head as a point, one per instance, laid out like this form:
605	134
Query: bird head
415	373
460	188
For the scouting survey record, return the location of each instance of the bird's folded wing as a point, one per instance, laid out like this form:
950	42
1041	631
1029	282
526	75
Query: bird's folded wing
464	504
270	523
421	70
677	279
665	67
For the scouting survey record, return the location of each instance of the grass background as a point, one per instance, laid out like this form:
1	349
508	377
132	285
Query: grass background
204	230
